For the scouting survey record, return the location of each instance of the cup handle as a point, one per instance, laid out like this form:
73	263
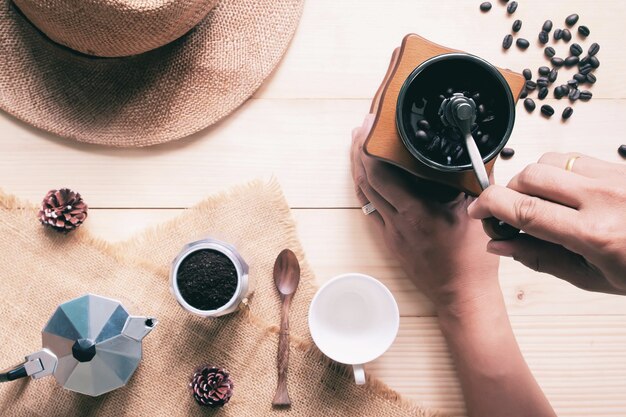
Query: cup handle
359	374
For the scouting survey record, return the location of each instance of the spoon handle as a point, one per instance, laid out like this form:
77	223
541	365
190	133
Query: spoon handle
281	398
495	229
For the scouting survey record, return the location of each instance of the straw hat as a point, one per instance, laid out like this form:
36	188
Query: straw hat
136	72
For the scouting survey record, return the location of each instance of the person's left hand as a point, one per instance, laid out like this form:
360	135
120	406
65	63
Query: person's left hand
426	227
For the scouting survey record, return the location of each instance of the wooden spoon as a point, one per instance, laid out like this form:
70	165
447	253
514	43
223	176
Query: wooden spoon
286	278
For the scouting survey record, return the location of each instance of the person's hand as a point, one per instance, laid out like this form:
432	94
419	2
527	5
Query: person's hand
575	222
427	228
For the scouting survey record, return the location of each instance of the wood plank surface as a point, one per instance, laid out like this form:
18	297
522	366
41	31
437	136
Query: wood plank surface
347	243
297	128
304	143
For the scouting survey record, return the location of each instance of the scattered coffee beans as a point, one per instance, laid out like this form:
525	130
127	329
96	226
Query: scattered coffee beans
574	95
423	124
585	69
531	85
547	26
573	83
524	93
567	113
570	61
622	151
549	52
543	70
512	7
508	153
558	34
485	7
522	43
421	136
576	49
529	105
594	49
586	95
559	92
544	37
571	20
547	110
542	82
583	31
567	35
557	62
528	74
507	42
591	79
553	75
517	26
594	62
543	93
580	78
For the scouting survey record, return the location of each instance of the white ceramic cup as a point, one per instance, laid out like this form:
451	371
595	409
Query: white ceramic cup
354	319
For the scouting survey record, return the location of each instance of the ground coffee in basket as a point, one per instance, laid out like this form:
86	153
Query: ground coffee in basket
207	279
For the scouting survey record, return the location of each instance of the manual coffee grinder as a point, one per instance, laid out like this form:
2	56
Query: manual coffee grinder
412	92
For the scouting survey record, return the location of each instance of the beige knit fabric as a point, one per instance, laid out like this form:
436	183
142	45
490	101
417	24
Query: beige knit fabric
43	269
140	100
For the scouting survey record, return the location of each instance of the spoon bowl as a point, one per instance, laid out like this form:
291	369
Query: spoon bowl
286	272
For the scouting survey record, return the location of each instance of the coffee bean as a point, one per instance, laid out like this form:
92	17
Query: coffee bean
554	74
594	62
547	110
567	113
544	37
543	93
507	153
576	49
507	42
458	152
584	61
423	124
580	78
573	83
517	26
421	136
567	35
543	70
549	52
542	82
585	69
559	93
481	109
571	20
528	74
524	93
557	62
622	151
529	105
574	95
591	79
570	61
558	34
531	85
583	31
434	144
547	26
594	49
586	95
485	7
512	7
522	43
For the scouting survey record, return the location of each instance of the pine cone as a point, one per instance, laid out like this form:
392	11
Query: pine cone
63	210
211	386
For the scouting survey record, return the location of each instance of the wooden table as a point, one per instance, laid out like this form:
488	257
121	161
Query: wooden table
297	128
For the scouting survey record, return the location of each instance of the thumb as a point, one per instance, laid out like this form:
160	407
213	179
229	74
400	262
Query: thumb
552	259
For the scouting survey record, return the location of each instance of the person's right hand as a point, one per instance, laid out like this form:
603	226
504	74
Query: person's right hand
575	222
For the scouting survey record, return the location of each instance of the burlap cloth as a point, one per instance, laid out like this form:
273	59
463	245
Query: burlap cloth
42	269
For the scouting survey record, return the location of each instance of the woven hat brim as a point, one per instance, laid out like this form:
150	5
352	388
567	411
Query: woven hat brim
155	97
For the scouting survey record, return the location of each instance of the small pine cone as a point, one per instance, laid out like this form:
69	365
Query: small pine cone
211	386
63	210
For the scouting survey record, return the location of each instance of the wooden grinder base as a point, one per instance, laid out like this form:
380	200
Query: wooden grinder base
384	141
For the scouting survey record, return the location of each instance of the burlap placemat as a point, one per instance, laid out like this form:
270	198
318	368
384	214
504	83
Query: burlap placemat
42	269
